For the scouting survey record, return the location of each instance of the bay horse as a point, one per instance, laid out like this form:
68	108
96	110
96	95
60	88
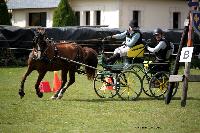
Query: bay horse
47	56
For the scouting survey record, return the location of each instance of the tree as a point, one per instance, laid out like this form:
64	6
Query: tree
4	15
64	15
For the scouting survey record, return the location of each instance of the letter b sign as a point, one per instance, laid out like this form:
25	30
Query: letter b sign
186	54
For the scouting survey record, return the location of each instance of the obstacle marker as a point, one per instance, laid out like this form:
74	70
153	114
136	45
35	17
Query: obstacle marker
56	82
44	86
108	84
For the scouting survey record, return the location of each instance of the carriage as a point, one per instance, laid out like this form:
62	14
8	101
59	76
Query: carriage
129	78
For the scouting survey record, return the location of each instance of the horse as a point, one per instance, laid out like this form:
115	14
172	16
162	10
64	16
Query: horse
46	56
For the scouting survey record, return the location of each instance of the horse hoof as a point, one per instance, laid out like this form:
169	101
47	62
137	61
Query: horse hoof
21	93
53	97
59	96
40	95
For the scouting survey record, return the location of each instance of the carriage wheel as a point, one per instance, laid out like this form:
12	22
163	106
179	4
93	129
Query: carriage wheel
130	85
146	81
138	69
146	78
158	85
103	87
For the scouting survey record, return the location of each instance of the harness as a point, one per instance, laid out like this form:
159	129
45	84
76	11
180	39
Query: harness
78	60
44	56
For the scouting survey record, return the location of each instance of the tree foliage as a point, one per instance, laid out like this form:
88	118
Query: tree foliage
64	15
4	15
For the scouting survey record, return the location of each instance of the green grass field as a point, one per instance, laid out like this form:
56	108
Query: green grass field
81	110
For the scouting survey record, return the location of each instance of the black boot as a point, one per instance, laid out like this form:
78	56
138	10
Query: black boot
113	59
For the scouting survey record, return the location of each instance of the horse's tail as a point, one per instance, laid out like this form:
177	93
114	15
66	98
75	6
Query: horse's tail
91	60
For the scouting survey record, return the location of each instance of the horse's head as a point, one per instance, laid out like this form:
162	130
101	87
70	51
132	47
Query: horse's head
40	43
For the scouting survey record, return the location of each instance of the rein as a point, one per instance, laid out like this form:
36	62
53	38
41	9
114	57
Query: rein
76	62
77	58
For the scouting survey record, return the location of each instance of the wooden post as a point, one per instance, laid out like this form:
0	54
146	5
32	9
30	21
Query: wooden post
185	84
183	41
187	64
176	64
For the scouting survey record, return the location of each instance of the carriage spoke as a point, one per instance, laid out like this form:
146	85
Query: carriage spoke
130	85
158	84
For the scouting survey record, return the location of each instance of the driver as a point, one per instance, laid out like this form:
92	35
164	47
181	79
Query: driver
132	37
161	50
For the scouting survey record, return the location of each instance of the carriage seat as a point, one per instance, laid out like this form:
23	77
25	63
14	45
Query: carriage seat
135	54
136	51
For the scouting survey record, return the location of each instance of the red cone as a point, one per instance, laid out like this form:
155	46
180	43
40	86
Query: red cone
44	86
56	82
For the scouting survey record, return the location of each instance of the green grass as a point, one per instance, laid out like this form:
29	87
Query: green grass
81	110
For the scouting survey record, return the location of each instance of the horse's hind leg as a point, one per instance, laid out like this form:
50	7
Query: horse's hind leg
64	80
40	77
21	90
71	81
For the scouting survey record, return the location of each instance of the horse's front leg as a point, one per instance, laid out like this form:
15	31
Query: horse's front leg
71	81
40	77
21	90
64	80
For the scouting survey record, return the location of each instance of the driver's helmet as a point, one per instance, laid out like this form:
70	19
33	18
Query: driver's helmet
157	31
133	24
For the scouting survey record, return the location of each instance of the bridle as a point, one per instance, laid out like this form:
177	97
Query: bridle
39	40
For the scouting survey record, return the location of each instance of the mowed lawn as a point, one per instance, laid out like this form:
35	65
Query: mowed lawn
82	111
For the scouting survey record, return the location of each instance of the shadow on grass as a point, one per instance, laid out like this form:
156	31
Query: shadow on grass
110	99
93	100
189	98
120	100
